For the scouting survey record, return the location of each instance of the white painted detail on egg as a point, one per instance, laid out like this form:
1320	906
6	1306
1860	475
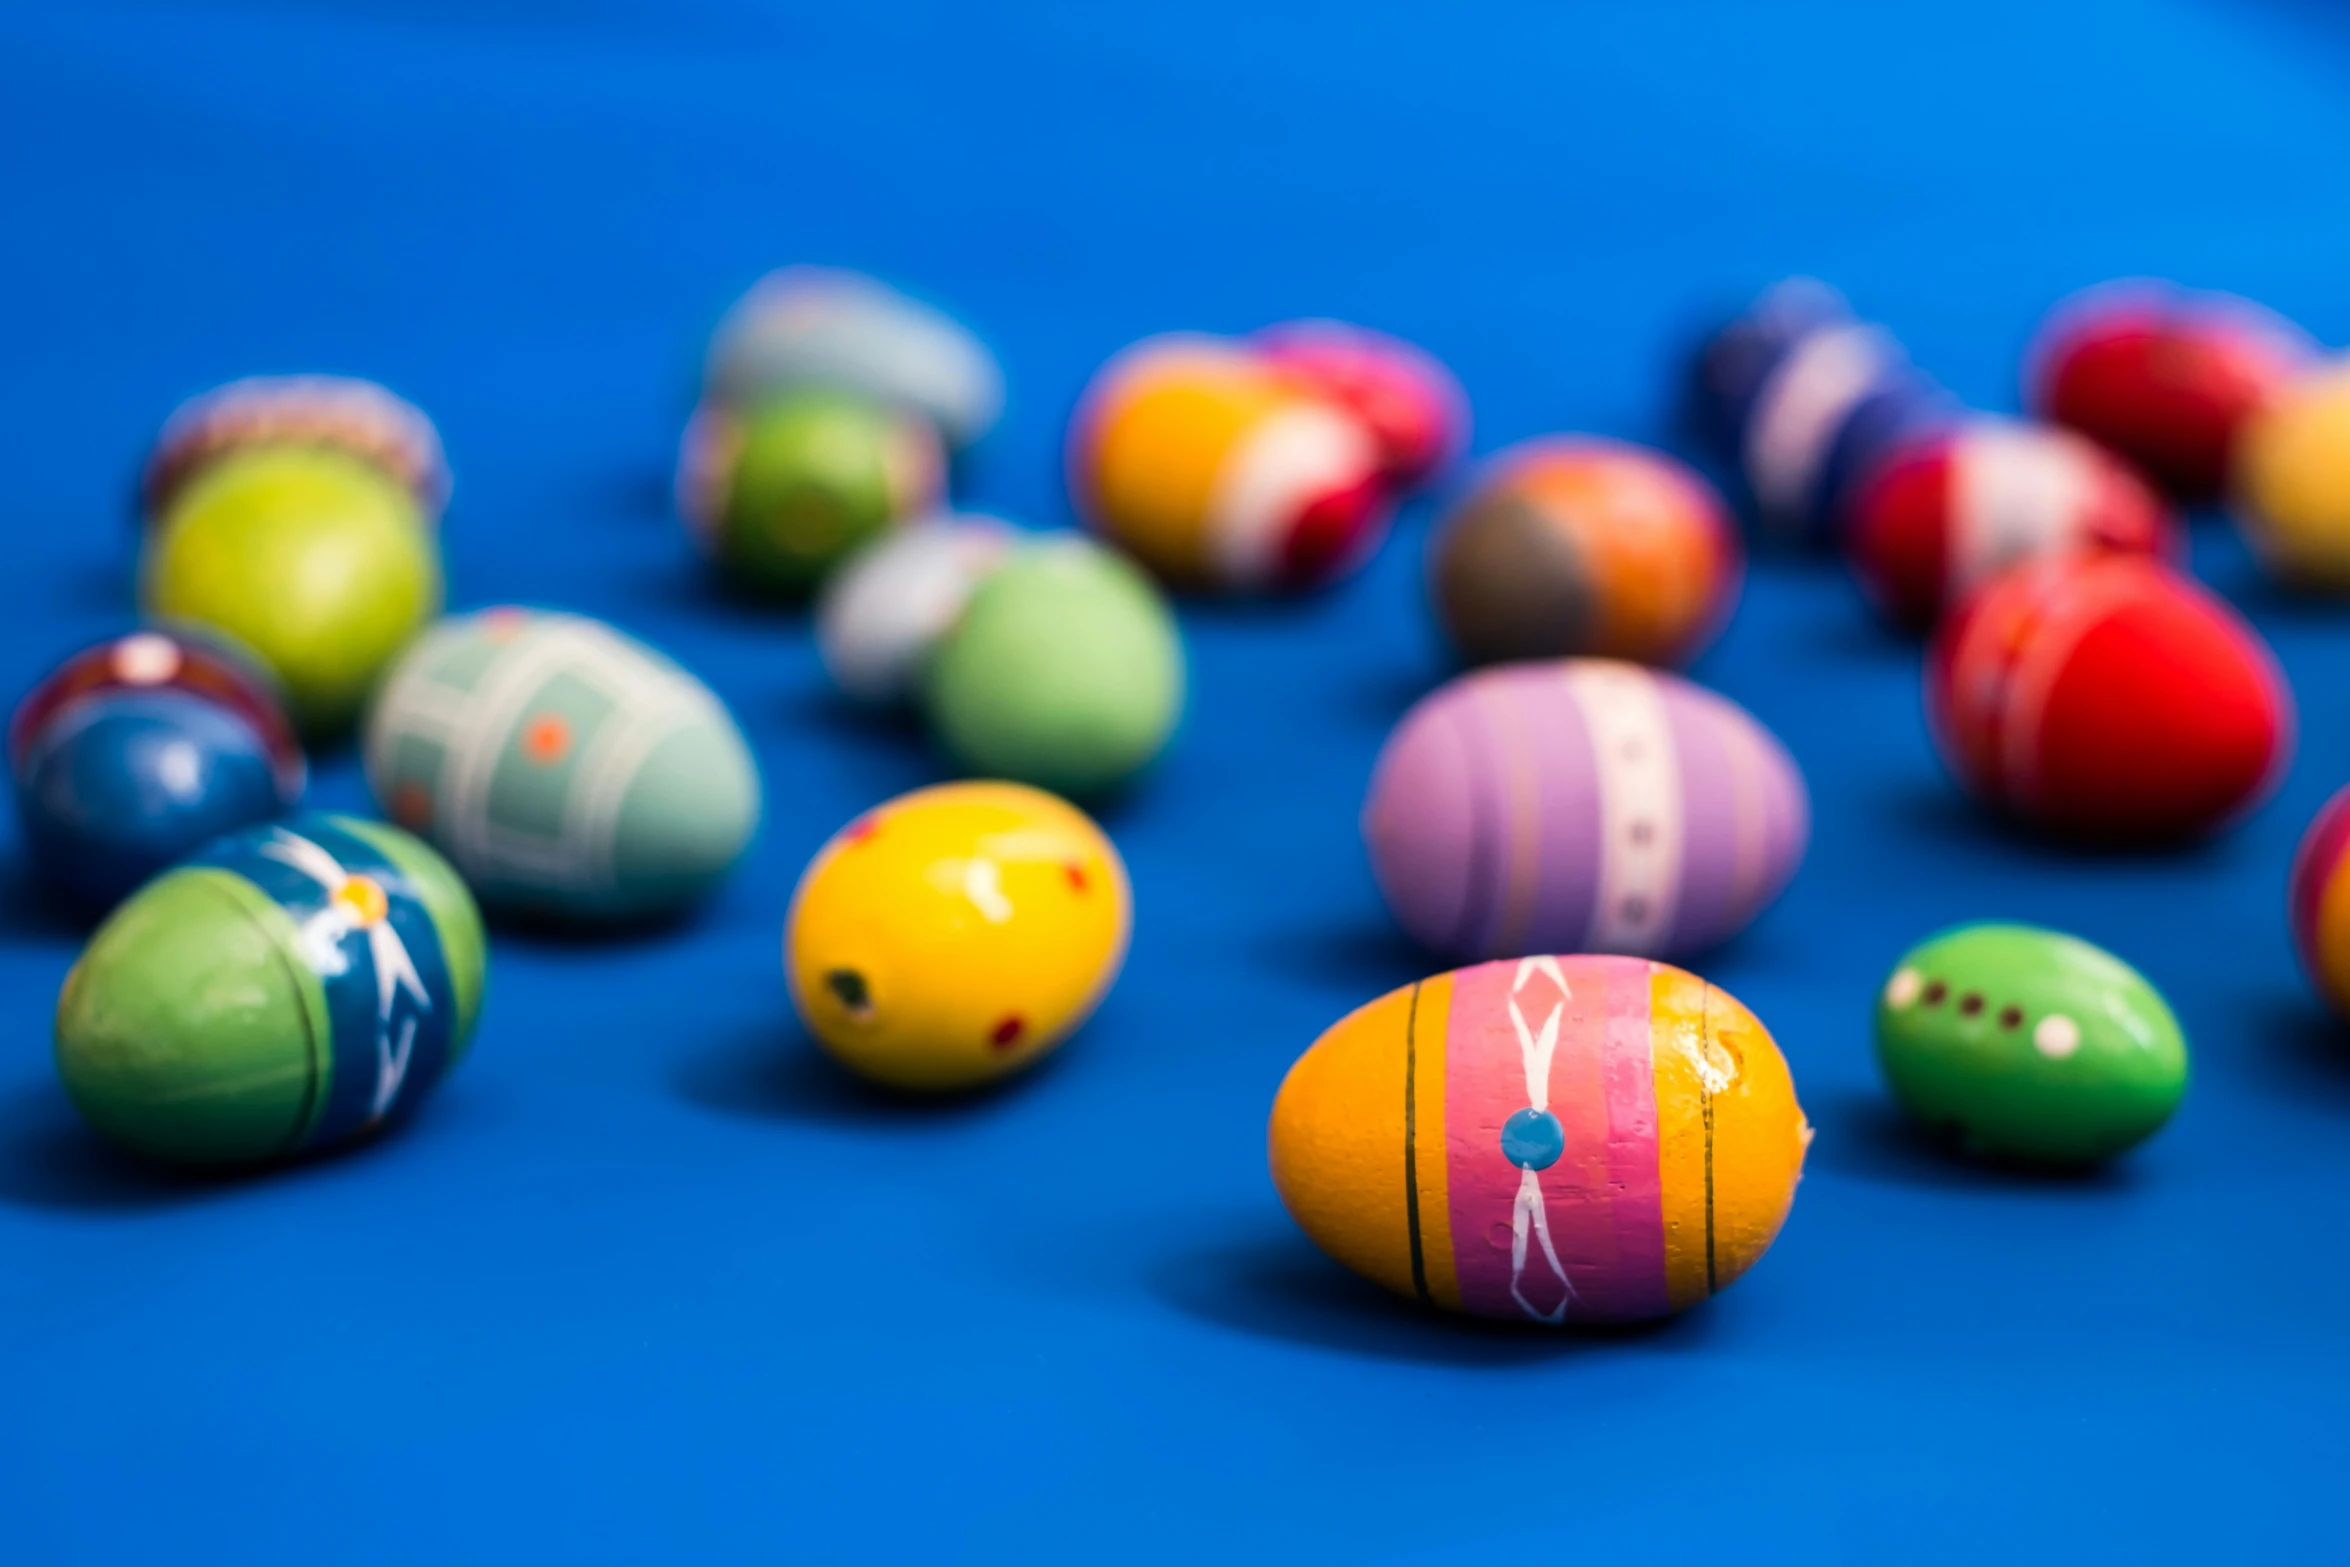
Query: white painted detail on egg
145	659
2015	492
1640	822
1802	406
1285	463
2057	1036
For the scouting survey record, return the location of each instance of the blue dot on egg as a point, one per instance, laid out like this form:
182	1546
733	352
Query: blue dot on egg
1533	1139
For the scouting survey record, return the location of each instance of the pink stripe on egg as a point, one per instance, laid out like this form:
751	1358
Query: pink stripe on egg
1601	1200
1635	1276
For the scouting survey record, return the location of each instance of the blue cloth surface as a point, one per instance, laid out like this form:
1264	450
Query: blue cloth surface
648	1281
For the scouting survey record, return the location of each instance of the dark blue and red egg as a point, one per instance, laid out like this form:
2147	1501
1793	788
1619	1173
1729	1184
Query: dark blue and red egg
133	754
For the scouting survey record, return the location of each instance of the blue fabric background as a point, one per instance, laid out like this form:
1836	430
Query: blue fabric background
648	1282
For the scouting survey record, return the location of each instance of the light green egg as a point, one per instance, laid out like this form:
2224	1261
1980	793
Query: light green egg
1065	671
316	561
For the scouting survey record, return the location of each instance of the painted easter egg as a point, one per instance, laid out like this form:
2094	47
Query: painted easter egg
779	493
343	413
2292	481
565	769
1561	1140
886	609
1584	805
313	560
2165	376
2028	1044
956	934
1573	545
1065	670
1945	514
155	660
1404	395
2318	902
1800	399
1220	473
291	987
806	328
2107	697
135	753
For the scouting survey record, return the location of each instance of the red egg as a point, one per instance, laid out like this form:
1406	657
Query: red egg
2162	375
2107	697
1946	514
1416	411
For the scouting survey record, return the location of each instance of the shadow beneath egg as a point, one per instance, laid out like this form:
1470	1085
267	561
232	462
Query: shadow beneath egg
1922	807
49	1159
29	912
2292	1045
1369	955
689	583
1861	635
2264	600
1868	1137
555	933
1276	1285
816	708
779	1074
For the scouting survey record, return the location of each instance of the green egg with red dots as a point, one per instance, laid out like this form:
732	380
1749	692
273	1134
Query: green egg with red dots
2024	1044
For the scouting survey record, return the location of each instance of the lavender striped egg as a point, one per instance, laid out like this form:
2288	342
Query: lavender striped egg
1581	805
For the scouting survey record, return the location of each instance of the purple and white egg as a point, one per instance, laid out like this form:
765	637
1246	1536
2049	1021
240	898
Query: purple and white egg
1581	805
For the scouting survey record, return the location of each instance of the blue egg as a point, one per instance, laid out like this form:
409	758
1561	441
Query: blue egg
1738	360
117	787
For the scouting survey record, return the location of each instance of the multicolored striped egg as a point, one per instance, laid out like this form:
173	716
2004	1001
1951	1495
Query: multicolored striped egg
1412	405
2318	902
2165	376
343	412
2108	697
565	768
1561	1140
1219	472
293	986
1801	399
1583	805
1947	512
1573	545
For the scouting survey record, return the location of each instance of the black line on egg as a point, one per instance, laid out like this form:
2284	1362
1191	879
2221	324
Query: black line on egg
1411	1133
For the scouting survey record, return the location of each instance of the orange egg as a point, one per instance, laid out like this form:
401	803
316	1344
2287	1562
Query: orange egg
1551	1139
1218	471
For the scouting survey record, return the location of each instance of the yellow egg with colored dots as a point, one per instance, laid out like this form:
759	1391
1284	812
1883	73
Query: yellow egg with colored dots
956	933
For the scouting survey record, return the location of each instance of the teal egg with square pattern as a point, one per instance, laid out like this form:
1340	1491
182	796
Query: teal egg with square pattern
566	770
